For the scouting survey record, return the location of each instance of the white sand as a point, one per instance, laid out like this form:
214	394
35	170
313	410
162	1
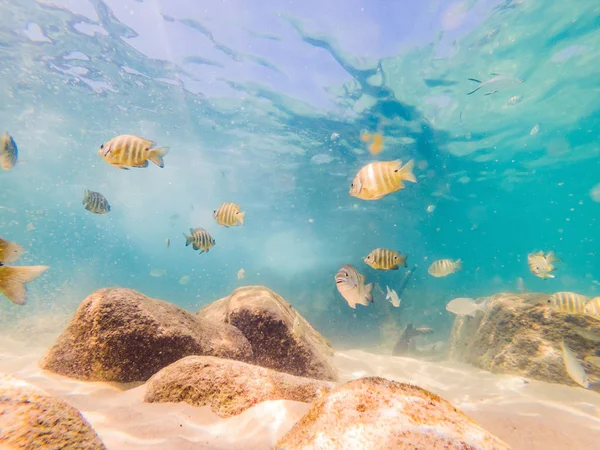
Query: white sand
527	415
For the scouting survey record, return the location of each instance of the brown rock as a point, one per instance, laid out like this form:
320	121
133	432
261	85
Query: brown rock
521	335
377	414
32	419
122	335
228	387
281	338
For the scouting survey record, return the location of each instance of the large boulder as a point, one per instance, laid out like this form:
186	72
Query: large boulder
281	338
378	414
31	419
519	334
228	387
122	335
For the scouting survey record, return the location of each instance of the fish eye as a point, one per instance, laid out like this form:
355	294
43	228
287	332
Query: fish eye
102	146
395	258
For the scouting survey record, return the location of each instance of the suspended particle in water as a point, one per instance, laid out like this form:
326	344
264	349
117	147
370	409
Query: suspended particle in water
595	193
430	209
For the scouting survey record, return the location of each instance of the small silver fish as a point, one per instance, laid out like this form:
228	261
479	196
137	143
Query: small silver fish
168	242
465	307
496	84
574	367
350	284
392	297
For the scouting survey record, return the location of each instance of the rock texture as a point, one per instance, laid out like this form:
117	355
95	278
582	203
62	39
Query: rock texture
520	334
228	387
122	335
32	419
378	414
281	339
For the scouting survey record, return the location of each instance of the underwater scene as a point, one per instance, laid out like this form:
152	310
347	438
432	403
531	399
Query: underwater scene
256	224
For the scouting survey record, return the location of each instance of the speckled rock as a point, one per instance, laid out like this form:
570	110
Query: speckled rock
122	335
32	419
281	338
521	335
228	387
377	414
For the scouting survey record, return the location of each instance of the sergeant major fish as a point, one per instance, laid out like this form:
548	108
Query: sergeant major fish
542	265
444	267
568	302
350	284
200	240
9	152
229	215
128	150
385	259
376	180
592	308
95	202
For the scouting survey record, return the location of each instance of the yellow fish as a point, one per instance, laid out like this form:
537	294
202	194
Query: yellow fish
13	279
376	180
541	265
128	150
376	140
592	308
444	267
241	274
8	152
9	251
229	215
200	240
385	259
568	302
95	202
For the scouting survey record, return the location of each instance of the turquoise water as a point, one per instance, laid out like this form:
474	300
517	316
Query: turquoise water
247	96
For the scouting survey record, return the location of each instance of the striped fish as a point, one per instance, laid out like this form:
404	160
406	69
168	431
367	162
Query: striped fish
376	180
568	302
8	152
128	150
444	267
200	240
541	265
592	308
229	215
9	251
385	259
95	202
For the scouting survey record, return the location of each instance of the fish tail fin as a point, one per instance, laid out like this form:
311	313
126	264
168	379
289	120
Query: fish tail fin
549	275
402	260
406	171
240	217
368	294
188	239
86	195
12	252
458	264
13	279
552	258
389	293
156	156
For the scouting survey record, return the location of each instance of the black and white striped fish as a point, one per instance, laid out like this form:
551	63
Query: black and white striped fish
200	240
95	202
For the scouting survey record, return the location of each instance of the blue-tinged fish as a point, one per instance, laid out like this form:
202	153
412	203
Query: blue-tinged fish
9	152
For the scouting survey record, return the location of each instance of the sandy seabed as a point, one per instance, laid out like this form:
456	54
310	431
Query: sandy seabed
527	414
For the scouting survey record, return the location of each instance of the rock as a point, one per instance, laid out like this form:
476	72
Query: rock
281	338
520	335
122	335
377	414
32	419
228	387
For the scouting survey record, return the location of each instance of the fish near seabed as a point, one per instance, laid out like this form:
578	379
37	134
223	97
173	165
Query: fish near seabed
350	284
466	307
392	297
592	308
385	259
200	240
241	274
568	302
13	280
95	202
128	150
542	265
9	152
376	180
9	251
229	215
573	367
444	267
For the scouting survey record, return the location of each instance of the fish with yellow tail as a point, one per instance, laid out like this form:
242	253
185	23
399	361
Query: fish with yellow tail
444	267
385	259
542	265
350	284
8	152
200	240
592	308
127	150
376	180
13	279
229	215
568	302
9	251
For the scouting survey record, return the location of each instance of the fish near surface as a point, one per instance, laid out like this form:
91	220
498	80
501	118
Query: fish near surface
9	251
13	280
95	202
568	302
542	265
444	267
200	240
573	367
350	284
376	180
496	84
128	150
9	152
385	259
229	215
